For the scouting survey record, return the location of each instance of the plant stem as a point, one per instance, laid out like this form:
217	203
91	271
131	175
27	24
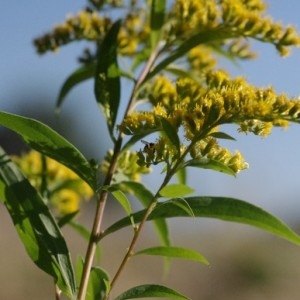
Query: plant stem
96	230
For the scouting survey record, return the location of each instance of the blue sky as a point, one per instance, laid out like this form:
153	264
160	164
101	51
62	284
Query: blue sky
272	181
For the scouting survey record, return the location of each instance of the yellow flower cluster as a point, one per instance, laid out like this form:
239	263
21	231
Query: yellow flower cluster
209	148
85	25
127	166
65	188
89	25
236	17
196	110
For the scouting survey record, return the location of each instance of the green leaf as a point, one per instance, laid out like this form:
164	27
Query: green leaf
222	135
81	74
175	190
45	140
157	19
150	290
175	252
36	226
170	131
183	204
223	208
202	37
120	197
146	197
98	282
107	76
210	164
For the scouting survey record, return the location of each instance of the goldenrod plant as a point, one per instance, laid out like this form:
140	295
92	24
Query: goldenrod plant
168	53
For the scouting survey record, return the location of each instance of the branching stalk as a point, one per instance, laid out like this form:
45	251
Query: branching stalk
96	230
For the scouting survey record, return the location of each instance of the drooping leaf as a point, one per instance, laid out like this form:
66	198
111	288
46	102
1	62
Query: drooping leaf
45	140
150	290
145	197
98	281
36	226
210	164
223	208
175	190
174	252
195	40
107	77
157	18
81	74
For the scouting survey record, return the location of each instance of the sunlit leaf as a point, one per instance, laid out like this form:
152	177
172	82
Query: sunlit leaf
175	190
81	74
107	76
36	226
150	290
174	252
210	164
223	208
45	140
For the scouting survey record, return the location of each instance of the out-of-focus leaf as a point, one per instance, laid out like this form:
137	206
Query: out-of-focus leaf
157	18
98	281
81	74
36	226
175	190
175	252
150	290
181	175
107	77
223	208
45	140
210	164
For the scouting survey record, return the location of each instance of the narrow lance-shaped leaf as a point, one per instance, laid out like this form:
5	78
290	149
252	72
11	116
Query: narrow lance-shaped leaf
81	74
150	290
174	252
107	76
175	190
223	208
45	140
210	164
195	40
36	226
156	20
